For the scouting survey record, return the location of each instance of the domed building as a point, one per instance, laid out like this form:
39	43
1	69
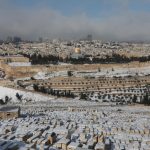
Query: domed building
77	50
77	53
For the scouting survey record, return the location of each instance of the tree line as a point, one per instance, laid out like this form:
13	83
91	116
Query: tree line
51	91
115	58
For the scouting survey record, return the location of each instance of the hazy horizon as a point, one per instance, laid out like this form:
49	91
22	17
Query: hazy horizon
121	20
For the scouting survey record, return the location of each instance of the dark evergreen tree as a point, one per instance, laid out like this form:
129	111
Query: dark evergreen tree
83	96
69	73
134	99
19	97
146	100
35	87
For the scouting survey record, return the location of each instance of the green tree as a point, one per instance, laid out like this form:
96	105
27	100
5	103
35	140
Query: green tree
83	96
69	73
134	100
146	99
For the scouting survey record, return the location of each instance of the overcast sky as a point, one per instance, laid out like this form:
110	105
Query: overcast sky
73	19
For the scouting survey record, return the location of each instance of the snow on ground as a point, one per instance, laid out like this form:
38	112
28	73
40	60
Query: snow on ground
108	72
15	64
60	63
118	72
43	100
26	95
44	75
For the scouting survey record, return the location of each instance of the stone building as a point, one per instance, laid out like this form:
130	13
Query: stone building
9	112
77	54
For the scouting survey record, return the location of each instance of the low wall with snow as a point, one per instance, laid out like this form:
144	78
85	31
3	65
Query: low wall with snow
27	71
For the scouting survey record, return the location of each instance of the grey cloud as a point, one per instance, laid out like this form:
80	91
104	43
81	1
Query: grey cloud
42	22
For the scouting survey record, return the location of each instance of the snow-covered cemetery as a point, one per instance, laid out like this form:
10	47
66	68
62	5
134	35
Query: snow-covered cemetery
74	95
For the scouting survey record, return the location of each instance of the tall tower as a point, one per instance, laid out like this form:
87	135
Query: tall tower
89	37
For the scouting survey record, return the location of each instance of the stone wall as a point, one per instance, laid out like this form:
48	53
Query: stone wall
14	59
27	71
9	115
